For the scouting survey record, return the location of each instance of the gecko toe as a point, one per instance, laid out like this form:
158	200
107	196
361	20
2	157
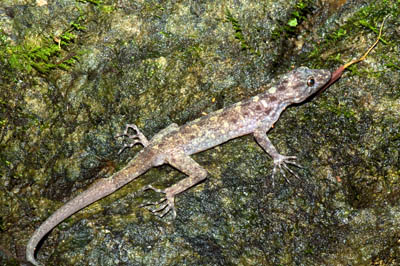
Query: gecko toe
286	167
162	206
137	137
150	187
282	162
162	209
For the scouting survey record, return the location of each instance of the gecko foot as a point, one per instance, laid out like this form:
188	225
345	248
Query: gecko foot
163	206
138	137
281	162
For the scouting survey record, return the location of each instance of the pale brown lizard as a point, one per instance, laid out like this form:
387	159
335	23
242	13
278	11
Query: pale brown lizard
175	144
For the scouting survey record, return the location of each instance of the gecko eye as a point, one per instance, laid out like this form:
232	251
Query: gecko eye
310	82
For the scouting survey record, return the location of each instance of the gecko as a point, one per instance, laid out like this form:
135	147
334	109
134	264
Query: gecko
174	145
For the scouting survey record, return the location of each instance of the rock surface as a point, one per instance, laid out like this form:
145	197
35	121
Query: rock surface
73	73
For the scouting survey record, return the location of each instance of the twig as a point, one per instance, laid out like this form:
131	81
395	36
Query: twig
338	72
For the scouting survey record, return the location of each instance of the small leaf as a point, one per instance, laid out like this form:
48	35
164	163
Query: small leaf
292	22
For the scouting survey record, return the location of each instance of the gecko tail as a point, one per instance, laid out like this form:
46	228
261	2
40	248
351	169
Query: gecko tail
31	257
98	190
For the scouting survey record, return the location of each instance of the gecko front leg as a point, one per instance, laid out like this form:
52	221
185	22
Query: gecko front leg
189	167
280	161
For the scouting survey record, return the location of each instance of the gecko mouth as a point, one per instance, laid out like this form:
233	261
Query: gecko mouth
311	81
321	78
324	77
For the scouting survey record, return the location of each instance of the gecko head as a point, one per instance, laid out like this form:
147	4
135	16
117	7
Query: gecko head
301	83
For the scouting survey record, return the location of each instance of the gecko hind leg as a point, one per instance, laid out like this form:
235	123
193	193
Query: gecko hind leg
188	166
137	138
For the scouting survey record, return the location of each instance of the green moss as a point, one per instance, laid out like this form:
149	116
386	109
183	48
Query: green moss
49	54
94	2
341	110
393	63
338	35
368	18
99	4
299	14
244	45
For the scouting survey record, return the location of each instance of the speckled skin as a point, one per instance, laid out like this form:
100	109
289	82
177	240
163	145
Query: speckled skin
175	144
